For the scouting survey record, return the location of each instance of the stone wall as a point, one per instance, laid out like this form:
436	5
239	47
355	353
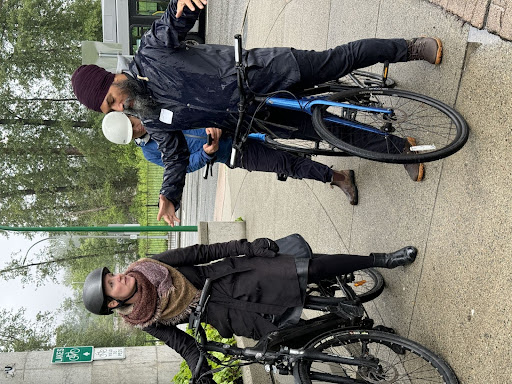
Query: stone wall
493	15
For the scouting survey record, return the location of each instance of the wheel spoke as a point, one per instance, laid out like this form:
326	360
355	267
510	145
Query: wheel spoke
432	124
399	361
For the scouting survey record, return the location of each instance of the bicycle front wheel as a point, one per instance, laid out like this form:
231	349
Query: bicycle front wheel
438	129
400	361
305	147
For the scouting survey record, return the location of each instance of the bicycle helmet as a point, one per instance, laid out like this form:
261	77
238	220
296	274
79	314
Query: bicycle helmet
117	128
94	299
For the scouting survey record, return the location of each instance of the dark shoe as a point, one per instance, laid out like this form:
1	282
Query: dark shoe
345	180
403	256
415	171
425	48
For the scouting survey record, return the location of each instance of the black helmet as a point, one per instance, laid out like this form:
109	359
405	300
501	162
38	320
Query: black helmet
94	299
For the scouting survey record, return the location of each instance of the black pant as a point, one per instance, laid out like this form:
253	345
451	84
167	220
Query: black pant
323	266
258	157
319	67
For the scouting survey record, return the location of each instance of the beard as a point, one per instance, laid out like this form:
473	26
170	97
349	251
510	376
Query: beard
138	102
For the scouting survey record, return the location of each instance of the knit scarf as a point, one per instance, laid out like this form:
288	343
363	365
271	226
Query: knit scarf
166	296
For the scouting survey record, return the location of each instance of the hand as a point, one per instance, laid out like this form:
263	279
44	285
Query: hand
167	211
212	148
263	247
215	133
190	5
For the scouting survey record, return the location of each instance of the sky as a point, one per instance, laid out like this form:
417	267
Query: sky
14	296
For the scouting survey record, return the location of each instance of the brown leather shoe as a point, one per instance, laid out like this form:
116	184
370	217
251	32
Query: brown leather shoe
415	171
425	48
345	180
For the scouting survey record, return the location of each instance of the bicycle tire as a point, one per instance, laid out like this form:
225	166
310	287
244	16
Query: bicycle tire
305	147
367	284
400	359
442	127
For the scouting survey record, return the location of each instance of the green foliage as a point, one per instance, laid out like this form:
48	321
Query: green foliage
82	328
41	40
145	204
58	168
17	334
226	375
66	176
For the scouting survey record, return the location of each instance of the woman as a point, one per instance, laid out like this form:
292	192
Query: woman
251	295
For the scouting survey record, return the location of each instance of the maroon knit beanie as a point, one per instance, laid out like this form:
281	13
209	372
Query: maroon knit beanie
91	84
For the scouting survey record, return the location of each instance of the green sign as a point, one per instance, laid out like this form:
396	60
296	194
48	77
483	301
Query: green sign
72	355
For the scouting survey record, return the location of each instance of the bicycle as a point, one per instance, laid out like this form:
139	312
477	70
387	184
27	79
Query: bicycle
342	346
359	118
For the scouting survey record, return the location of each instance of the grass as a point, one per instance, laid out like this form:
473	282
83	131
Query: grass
146	205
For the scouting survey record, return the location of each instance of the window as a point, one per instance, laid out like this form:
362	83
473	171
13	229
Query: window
137	31
150	8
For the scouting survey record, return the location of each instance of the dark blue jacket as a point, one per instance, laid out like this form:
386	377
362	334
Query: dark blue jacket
197	84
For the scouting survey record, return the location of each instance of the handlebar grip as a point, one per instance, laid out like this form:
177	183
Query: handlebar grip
209	139
232	158
238	49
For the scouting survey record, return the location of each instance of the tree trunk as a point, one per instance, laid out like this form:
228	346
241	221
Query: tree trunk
48	123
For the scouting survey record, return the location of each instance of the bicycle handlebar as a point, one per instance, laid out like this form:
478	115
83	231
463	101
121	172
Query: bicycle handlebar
195	317
239	66
238	49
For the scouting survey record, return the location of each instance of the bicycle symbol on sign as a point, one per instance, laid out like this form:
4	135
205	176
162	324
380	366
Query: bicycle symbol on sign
73	354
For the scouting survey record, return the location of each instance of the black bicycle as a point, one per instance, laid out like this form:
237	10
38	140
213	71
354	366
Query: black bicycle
351	116
341	346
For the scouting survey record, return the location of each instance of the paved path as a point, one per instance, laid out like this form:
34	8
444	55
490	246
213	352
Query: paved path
456	298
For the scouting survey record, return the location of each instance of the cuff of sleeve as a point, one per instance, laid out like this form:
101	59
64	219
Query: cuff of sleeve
204	154
173	201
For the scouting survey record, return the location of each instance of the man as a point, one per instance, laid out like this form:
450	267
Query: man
255	156
251	296
188	87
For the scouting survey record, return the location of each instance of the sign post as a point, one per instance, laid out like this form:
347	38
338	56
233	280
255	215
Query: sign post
64	355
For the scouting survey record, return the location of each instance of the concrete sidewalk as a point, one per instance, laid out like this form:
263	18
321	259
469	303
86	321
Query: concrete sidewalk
455	298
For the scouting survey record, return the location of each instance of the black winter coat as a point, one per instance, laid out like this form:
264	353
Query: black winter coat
197	84
243	288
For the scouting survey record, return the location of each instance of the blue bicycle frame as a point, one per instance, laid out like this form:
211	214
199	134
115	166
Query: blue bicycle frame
305	104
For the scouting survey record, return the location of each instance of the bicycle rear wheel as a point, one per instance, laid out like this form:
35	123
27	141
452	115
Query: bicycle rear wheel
367	284
437	128
305	147
400	360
